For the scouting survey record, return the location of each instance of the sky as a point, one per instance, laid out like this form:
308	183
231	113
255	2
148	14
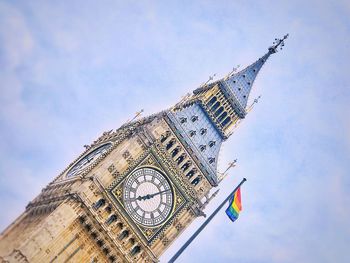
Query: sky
70	70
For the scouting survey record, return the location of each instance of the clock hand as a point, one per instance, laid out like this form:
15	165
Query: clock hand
149	196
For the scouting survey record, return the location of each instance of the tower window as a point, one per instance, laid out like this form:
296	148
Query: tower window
111	258
183	120
190	173
170	144
88	227
82	219
94	235
175	152
108	209
99	203
248	83
218	112
132	241
211	160
226	121
135	250
165	136
196	181
99	243
239	89
106	251
194	118
254	70
244	96
186	166
216	105
222	116
124	234
243	75
211	102
192	133
180	158
203	131
234	81
211	143
111	219
202	148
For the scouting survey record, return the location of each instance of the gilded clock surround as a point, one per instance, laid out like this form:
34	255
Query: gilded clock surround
149	159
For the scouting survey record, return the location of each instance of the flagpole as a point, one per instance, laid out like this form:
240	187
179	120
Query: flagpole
189	241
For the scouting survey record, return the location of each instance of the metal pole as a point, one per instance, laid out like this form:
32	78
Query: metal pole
189	241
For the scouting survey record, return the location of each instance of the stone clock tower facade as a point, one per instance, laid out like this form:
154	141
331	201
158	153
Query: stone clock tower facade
135	189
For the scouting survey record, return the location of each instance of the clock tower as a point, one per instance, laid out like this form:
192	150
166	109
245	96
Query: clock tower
133	191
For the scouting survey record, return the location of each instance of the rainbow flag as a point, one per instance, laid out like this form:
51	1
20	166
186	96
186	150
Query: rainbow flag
235	206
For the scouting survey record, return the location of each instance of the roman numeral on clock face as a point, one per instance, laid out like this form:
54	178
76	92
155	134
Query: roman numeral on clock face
148	196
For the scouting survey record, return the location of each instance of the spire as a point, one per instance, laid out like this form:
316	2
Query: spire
239	85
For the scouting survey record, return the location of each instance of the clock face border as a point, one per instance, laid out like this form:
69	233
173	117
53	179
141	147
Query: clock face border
115	190
81	158
151	176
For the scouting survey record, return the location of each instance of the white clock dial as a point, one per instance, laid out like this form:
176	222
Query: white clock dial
148	197
88	159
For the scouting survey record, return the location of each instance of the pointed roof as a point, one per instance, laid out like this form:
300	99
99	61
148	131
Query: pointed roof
237	86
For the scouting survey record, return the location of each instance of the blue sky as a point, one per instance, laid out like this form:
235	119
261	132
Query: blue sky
73	69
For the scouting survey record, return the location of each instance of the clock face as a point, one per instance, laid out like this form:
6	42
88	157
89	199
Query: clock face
88	159
148	197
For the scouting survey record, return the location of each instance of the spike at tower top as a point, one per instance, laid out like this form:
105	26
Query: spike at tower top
238	86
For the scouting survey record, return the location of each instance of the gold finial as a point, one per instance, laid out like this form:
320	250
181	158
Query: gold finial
234	69
137	114
278	43
254	102
230	165
210	79
209	198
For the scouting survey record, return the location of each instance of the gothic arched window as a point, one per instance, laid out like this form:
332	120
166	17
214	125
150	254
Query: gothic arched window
203	131
226	121
105	250
108	209
222	116
99	203
82	219
194	118
135	250
170	144
190	173
218	112
196	181
192	133
186	166
180	158
183	120
124	234
202	148
175	152
211	102
216	105
165	136
132	241
88	227
100	243
94	235
211	143
111	219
